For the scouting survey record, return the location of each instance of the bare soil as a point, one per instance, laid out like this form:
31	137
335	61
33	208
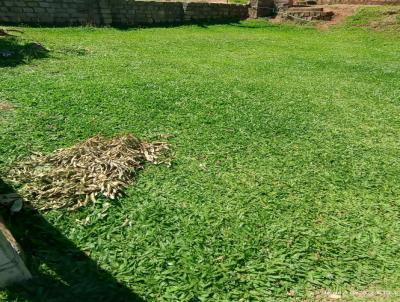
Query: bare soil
341	12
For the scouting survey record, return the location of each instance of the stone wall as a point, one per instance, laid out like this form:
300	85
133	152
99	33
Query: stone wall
131	13
262	8
198	12
115	12
48	12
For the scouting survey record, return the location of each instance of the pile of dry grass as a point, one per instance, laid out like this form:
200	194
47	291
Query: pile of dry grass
73	177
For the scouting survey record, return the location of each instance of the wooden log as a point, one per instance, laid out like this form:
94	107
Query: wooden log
12	267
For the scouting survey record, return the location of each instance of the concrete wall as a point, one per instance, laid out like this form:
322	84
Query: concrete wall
115	12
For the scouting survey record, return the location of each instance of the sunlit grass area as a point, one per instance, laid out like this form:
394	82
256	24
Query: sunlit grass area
285	178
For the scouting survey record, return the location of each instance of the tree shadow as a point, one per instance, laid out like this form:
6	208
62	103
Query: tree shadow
70	274
14	52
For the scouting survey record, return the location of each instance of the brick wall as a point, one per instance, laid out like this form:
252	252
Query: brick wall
115	12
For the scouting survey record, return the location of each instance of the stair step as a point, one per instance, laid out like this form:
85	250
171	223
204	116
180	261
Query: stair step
305	9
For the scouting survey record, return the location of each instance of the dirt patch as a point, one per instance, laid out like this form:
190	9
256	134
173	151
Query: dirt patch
369	16
376	17
6	106
341	12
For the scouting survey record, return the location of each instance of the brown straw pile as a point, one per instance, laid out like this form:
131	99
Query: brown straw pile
73	177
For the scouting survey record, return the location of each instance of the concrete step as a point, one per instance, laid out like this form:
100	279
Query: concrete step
306	15
305	9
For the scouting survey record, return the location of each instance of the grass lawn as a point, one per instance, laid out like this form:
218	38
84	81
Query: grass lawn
286	172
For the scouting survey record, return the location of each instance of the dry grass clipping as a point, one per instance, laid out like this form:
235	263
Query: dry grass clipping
6	106
73	177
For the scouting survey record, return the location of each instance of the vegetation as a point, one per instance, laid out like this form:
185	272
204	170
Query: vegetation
381	18
285	177
238	1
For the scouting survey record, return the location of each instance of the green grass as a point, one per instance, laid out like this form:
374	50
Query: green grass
286	169
239	1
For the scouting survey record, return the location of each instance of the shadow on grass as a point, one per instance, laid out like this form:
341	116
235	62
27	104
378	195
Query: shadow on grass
74	276
202	24
255	24
13	52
